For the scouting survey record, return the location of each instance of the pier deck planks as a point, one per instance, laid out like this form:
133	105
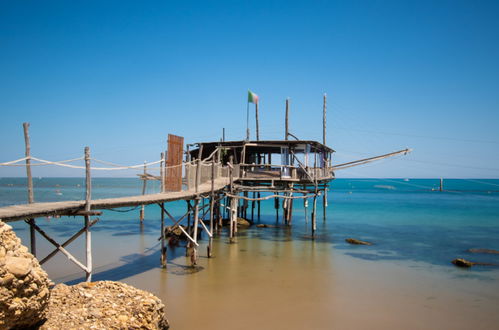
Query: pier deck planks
25	211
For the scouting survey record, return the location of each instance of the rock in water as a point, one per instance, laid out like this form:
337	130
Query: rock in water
104	305
488	251
357	242
24	285
241	222
462	263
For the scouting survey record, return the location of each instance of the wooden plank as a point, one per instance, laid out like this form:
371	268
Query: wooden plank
24	211
173	181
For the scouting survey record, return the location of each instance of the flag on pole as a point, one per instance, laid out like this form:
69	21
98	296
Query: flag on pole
252	97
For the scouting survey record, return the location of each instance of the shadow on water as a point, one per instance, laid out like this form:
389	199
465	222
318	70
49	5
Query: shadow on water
137	263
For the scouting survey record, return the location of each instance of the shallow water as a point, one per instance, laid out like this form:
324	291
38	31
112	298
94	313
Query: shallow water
279	278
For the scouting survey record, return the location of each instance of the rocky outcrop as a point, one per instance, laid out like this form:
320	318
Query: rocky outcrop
357	241
104	305
24	285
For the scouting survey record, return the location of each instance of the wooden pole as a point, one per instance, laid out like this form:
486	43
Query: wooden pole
212	202
441	184
163	172
163	245
194	255
198	174
314	218
144	185
276	206
324	203
31	197
258	203
324	120
233	219
257	123
305	208
88	198
286	121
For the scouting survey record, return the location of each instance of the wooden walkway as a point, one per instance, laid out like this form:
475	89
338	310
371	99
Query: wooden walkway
28	211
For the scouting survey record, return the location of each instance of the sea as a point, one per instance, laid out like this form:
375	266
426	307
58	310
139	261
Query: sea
279	277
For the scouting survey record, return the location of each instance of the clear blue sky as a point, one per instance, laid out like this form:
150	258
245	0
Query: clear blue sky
119	76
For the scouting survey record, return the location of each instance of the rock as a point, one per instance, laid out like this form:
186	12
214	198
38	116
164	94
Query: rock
357	242
462	263
24	289
104	305
263	225
241	222
19	267
489	251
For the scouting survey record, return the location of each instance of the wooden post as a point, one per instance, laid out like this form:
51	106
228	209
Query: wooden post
163	245
194	255
305	207
324	203
257	123
253	207
441	184
287	121
258	203
314	213
233	219
276	206
144	185
31	197
212	202
163	172
324	120
198	174
88	198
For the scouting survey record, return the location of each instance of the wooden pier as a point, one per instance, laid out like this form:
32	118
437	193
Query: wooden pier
232	175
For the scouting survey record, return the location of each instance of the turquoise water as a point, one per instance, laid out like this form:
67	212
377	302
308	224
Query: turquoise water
405	219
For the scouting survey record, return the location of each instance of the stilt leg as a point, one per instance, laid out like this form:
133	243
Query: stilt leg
163	245
88	246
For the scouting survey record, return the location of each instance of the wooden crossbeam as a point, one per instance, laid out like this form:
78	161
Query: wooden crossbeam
61	248
71	239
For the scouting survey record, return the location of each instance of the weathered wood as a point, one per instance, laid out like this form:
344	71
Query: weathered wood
69	241
286	125
24	211
212	205
62	249
88	233
324	107
31	197
144	186
163	245
173	180
314	216
194	256
257	122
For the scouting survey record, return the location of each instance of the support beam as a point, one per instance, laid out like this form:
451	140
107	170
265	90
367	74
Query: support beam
88	234
69	241
31	197
62	249
212	205
163	245
324	107
286	124
257	123
144	186
194	255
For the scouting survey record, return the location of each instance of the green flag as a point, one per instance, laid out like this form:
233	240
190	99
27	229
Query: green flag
252	97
